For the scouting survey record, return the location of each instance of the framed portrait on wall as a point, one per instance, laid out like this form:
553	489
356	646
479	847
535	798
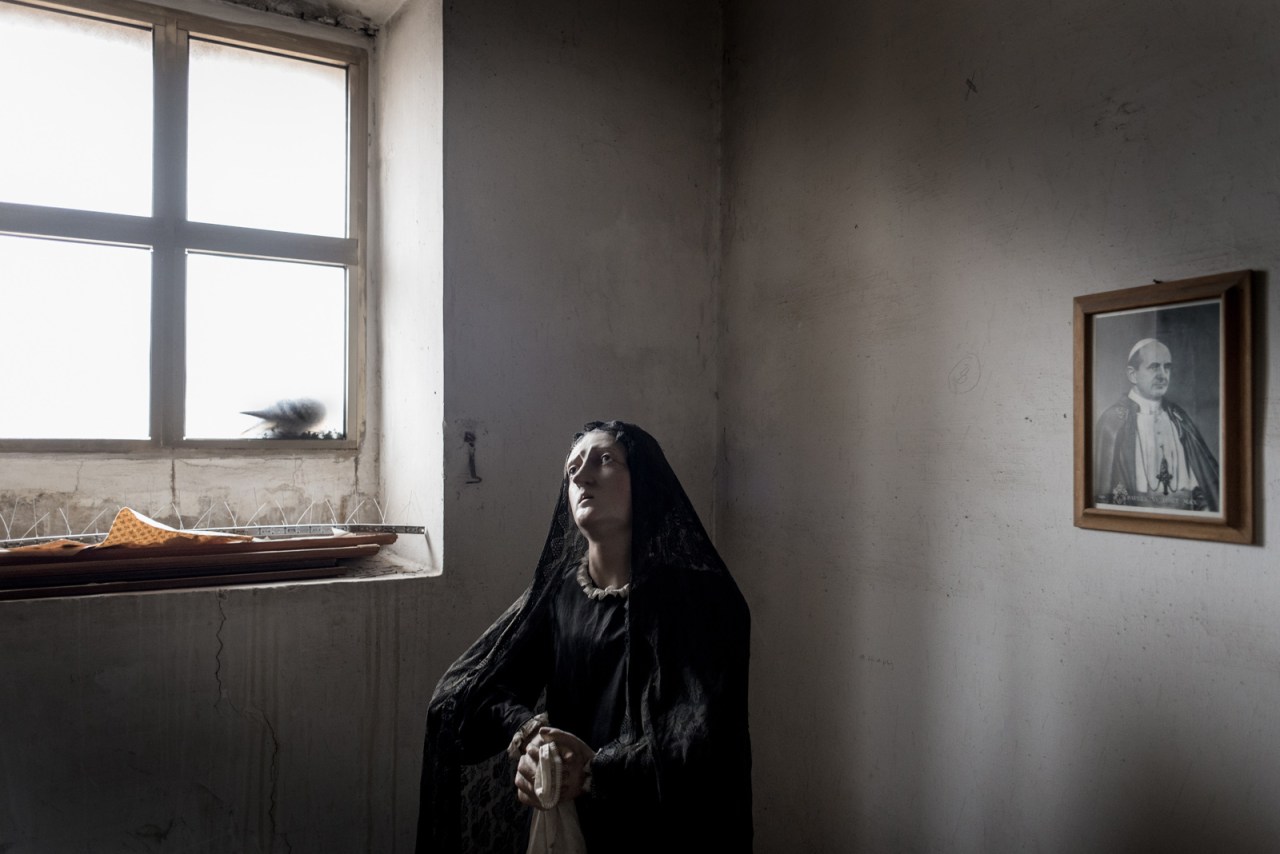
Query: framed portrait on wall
1164	409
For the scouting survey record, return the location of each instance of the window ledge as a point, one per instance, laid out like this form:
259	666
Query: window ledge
129	577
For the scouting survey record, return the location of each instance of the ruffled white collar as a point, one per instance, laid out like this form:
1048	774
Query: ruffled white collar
593	591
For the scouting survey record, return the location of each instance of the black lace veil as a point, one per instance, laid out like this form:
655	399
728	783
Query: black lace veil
683	757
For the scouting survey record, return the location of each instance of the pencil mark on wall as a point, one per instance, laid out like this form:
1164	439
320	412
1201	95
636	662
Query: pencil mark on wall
152	831
965	375
969	87
1118	117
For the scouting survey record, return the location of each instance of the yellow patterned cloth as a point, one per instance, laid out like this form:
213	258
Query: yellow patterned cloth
134	529
58	547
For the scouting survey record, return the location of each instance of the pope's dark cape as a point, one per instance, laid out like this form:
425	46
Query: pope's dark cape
1115	440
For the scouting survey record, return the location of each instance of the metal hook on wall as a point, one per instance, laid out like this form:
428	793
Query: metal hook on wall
470	439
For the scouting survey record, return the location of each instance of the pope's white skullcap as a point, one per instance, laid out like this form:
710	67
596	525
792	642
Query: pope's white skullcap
1144	342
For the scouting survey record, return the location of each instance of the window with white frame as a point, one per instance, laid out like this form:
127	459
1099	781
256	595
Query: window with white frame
181	231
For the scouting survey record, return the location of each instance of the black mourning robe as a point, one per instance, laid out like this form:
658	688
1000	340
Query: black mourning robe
672	771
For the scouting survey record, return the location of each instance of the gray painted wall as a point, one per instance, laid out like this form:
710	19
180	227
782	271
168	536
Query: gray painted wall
974	673
580	251
940	661
579	263
250	719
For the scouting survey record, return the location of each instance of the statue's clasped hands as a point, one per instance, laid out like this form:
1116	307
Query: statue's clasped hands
552	768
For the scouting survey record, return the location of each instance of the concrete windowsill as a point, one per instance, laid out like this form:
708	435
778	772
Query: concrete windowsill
382	567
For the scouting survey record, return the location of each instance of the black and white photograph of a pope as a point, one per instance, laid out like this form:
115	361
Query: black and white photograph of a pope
1156	440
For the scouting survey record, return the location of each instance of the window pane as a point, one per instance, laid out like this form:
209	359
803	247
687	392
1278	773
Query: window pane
267	141
76	98
259	332
75	342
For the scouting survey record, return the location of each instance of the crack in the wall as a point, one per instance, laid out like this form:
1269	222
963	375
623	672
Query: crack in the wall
255	714
217	658
275	780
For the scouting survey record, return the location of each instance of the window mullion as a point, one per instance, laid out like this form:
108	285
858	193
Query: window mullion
69	224
238	196
260	243
357	210
169	209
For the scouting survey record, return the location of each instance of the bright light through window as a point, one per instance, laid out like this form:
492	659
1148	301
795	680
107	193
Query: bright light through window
75	340
268	141
247	255
76	99
259	332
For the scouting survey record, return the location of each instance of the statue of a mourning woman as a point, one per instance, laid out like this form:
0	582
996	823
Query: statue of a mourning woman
636	637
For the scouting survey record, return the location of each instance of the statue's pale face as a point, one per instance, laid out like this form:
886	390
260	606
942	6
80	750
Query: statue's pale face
1153	374
599	486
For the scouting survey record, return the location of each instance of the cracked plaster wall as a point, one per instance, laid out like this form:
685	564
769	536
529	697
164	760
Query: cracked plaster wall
244	719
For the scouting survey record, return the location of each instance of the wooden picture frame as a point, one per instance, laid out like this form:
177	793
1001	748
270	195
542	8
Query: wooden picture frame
1178	464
